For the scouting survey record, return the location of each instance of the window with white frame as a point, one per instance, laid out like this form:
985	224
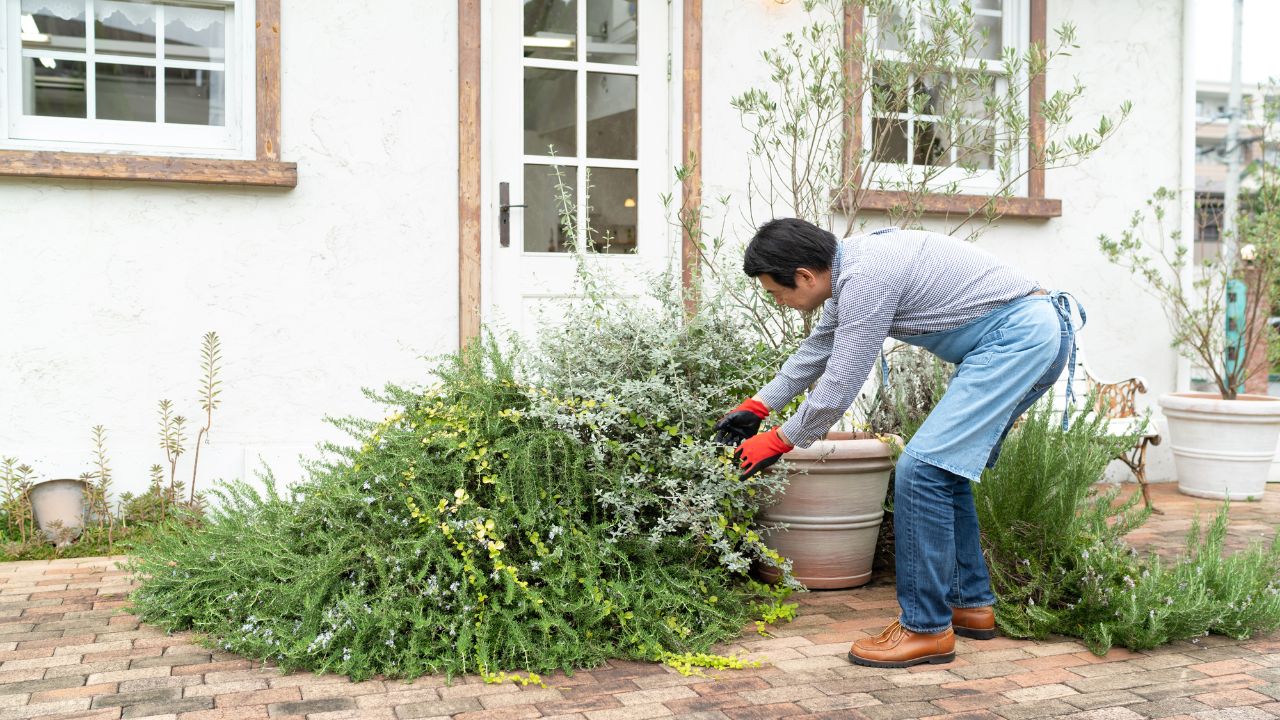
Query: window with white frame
149	77
913	128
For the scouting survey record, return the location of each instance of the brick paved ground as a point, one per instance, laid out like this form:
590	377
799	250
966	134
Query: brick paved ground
68	650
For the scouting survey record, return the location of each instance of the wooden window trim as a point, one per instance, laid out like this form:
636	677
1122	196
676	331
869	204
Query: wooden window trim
267	170
1034	206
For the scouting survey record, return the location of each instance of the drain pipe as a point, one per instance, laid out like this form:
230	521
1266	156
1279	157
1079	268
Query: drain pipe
1187	175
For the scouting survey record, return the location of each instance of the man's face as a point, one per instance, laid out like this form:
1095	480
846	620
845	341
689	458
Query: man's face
812	289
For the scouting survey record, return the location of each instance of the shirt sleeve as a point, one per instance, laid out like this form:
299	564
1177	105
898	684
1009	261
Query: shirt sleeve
806	364
865	313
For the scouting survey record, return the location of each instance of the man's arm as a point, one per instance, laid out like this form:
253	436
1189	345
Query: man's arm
866	313
808	362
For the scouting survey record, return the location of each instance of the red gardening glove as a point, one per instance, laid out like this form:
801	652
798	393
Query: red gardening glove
741	422
759	452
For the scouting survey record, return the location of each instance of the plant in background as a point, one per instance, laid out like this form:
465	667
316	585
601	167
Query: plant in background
17	480
1055	548
1158	257
211	355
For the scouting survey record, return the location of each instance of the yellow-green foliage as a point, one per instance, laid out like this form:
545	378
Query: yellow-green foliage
458	535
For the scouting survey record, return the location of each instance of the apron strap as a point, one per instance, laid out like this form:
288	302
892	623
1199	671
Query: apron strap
1062	302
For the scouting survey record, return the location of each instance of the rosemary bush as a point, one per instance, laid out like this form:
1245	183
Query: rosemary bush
1055	548
464	533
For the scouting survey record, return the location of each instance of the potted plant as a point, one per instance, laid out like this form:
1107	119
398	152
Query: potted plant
1223	441
830	514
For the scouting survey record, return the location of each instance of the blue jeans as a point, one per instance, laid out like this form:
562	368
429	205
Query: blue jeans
1016	353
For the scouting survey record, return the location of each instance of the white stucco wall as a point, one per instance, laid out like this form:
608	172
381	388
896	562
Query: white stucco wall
1127	334
345	281
341	283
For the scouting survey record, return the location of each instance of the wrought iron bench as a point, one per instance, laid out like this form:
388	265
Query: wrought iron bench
1117	401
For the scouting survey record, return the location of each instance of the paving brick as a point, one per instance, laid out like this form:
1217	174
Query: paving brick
49	708
307	707
987	670
759	712
168	707
452	692
140	697
1234	713
1110	713
931	677
899	711
253	697
35	686
341	689
531	695
123	675
66	693
1232	698
209	668
837	702
1105	698
971	703
1225	667
87	668
514	712
1169	707
1040	692
170	660
917	693
1038	709
706	703
431	709
780	694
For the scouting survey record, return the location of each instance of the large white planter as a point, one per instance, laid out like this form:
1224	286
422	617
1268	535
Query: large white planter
1222	448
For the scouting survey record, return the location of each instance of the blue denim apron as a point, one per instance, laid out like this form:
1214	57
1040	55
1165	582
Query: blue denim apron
1005	361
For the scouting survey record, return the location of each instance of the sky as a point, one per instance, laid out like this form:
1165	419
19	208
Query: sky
1213	40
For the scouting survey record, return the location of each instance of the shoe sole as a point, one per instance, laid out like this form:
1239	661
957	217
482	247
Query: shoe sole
974	633
931	659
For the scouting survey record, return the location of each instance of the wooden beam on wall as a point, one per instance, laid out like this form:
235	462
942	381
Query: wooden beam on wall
469	171
1035	98
691	195
268	79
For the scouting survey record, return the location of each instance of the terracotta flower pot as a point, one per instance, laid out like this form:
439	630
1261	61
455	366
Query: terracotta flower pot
1222	448
832	507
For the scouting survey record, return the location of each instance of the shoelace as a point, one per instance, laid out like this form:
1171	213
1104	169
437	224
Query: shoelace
892	634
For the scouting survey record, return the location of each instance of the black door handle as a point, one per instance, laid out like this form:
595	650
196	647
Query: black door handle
504	214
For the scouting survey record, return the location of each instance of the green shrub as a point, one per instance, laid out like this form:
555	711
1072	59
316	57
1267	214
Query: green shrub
1055	547
462	534
647	385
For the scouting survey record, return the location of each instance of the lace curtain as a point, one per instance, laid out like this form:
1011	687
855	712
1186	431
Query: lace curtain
197	19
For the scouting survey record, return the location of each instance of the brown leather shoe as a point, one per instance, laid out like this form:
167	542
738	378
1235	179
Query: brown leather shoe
978	623
898	647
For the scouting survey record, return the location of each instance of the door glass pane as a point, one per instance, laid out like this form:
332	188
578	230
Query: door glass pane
930	147
976	147
550	112
612	201
543	230
124	28
611	31
54	88
889	140
52	24
126	92
986	31
611	116
550	28
194	97
192	33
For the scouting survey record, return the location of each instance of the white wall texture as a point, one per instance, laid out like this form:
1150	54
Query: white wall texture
340	283
347	280
1127	334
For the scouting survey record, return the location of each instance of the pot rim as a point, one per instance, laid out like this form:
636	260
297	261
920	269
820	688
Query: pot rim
1261	406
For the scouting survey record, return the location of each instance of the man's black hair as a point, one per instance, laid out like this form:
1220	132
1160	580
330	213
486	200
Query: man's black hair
784	245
